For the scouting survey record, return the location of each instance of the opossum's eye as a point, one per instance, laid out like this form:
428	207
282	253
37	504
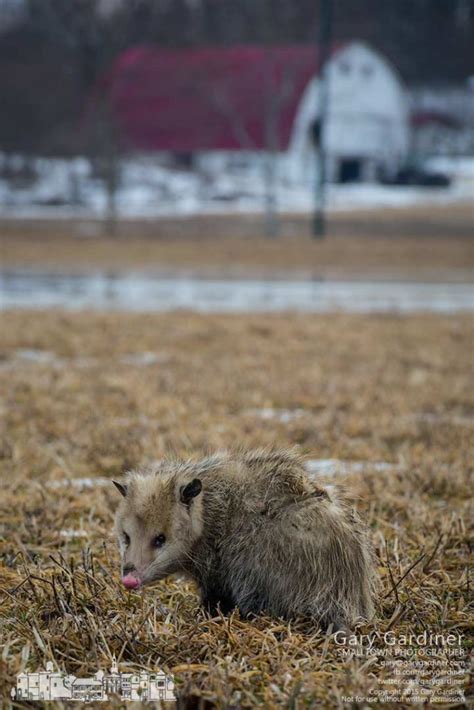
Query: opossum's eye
159	540
126	539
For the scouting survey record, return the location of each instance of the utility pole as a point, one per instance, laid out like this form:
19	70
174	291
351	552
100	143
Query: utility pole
324	53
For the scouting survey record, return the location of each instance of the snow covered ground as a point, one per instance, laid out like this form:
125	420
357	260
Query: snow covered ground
62	189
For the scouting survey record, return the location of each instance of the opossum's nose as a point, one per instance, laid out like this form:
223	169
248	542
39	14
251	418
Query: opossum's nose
130	577
130	581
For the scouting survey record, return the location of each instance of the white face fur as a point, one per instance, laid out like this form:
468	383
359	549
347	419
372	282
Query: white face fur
157	524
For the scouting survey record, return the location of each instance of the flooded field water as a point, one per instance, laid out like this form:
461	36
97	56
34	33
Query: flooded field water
148	293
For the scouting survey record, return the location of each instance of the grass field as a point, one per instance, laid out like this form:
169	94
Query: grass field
85	396
435	244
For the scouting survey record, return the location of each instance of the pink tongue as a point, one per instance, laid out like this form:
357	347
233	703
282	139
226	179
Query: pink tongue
130	581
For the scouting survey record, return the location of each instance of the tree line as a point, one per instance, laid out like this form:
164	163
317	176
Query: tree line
51	59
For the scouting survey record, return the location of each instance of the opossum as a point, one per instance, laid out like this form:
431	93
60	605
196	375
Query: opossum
253	531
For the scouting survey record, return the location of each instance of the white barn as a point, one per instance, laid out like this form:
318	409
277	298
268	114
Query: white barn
367	129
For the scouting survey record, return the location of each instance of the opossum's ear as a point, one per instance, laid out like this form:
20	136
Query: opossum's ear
121	487
190	491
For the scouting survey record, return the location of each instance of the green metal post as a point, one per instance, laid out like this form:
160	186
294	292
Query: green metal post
324	50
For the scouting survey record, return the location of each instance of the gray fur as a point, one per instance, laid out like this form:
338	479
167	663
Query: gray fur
260	536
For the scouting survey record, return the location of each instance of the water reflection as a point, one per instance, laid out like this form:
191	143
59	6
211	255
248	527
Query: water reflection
145	292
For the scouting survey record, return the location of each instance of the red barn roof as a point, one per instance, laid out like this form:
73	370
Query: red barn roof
186	100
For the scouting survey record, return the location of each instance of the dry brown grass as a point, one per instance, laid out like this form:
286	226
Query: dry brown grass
371	388
416	243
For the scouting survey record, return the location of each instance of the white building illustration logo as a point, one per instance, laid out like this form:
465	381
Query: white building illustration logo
57	685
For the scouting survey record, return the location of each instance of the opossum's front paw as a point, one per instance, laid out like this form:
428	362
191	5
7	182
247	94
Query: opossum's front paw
338	625
214	604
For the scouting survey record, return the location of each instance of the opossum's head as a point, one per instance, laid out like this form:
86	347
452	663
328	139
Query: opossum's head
157	523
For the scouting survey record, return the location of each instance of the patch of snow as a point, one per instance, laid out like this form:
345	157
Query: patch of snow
83	361
79	483
71	534
337	467
148	189
281	415
37	356
454	420
142	359
31	356
459	168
